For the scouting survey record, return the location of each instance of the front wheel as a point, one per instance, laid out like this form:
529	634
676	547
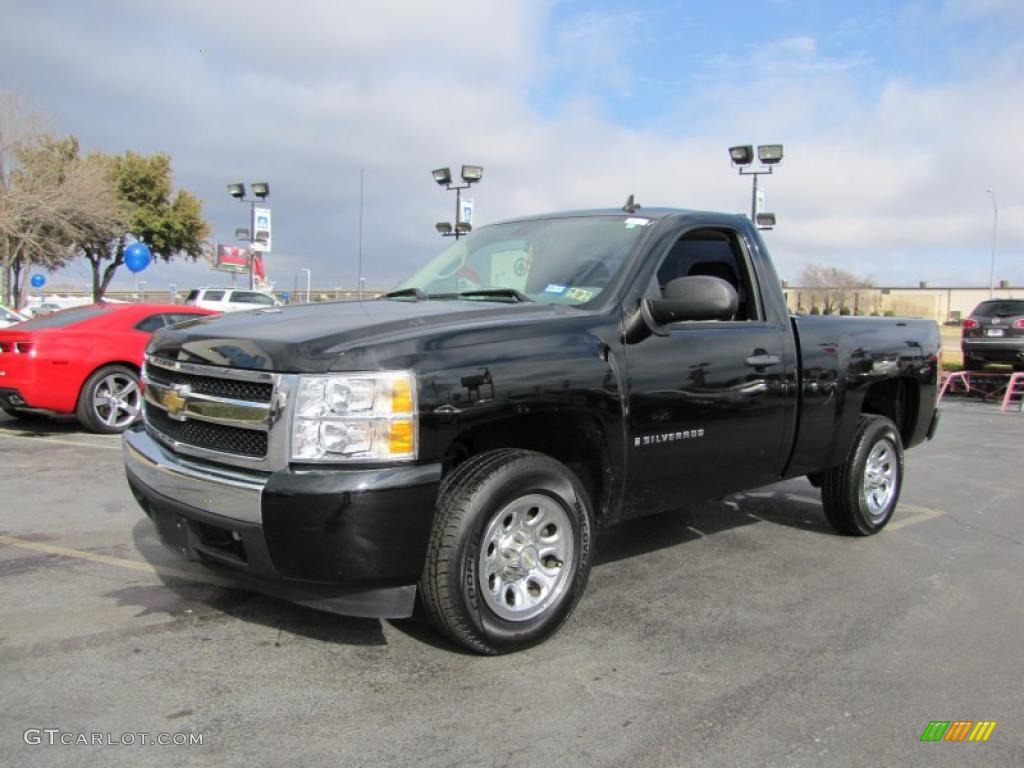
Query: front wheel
110	400
860	495
510	551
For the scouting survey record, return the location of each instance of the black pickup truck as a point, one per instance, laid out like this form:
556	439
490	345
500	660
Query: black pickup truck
465	436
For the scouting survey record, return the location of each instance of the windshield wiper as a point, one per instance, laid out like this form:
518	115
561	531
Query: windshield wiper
415	293
496	293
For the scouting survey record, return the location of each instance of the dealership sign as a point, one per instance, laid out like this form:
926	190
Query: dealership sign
231	258
261	229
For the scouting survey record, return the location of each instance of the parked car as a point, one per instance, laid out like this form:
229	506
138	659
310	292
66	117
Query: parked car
9	317
994	333
229	299
46	308
465	437
83	361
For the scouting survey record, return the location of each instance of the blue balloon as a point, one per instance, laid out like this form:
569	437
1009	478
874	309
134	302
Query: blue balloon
137	257
38	281
284	295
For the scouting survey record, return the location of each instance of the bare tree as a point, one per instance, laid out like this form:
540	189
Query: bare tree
50	197
832	289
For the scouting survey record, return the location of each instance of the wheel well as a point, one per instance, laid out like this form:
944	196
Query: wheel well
577	440
107	364
896	399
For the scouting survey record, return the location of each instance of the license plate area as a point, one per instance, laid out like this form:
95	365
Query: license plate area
995	331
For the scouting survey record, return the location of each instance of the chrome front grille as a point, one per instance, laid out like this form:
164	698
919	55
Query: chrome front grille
228	415
254	391
204	434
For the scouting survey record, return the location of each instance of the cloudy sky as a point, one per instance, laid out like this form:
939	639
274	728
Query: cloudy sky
896	118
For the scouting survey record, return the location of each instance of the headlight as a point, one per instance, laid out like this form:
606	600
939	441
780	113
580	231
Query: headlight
362	416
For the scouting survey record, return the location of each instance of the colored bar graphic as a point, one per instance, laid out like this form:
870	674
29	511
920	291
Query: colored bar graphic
982	730
958	730
935	730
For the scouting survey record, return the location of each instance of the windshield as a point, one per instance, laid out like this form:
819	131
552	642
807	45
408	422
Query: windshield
554	261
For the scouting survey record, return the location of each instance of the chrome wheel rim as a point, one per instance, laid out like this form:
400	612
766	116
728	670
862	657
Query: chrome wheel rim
116	400
526	557
880	477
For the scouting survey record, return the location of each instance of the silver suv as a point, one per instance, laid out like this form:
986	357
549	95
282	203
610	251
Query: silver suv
229	299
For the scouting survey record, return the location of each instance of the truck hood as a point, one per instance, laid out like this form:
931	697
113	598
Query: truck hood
310	338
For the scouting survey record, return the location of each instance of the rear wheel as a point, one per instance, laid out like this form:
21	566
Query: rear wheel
110	400
860	495
509	553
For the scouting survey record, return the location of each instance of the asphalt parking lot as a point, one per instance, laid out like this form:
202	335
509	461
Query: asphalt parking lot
746	635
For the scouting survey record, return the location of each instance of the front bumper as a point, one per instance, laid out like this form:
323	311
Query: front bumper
347	541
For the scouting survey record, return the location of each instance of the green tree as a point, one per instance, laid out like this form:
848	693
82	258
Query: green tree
170	223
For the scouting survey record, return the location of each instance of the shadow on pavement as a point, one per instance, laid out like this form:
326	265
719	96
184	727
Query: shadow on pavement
41	426
177	597
634	538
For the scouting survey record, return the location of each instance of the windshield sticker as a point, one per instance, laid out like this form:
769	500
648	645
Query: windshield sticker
579	294
635	221
555	288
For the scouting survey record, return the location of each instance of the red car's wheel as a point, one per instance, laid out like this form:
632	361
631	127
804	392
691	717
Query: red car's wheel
111	400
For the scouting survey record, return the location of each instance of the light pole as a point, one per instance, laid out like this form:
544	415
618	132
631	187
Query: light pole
995	223
769	155
471	174
138	289
261	189
174	293
309	277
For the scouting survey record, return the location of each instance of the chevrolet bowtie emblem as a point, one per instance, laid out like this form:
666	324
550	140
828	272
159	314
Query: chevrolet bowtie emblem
174	402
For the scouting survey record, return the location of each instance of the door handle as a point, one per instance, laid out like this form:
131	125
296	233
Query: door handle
762	361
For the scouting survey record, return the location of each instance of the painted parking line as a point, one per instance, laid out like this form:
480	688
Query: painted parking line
918	515
119	562
59	441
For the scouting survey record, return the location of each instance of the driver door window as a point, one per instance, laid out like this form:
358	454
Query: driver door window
715	253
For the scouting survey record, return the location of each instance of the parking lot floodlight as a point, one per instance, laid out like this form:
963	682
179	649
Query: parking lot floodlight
765	220
472	173
443	176
261	189
236	190
742	155
443	227
242	234
769	154
463	228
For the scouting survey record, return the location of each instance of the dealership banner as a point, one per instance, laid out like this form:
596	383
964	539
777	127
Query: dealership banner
466	211
261	229
231	258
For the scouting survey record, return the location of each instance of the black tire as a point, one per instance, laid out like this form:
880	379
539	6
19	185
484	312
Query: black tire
476	499
110	419
845	489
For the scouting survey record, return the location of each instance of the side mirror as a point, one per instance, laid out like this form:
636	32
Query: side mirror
700	297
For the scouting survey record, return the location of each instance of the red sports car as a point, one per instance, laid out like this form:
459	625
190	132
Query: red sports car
83	361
